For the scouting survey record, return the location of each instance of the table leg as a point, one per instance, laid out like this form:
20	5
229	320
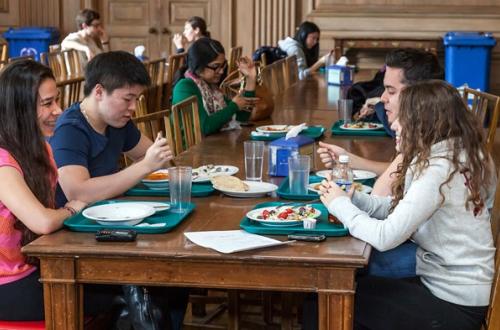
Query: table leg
63	298
335	310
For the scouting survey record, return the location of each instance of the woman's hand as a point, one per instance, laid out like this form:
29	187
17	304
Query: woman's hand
329	152
247	67
245	104
325	58
179	41
369	107
329	191
158	154
76	205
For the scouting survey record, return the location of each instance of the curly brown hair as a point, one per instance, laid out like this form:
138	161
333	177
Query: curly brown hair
433	111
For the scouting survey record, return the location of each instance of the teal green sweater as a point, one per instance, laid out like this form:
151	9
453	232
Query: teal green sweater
186	88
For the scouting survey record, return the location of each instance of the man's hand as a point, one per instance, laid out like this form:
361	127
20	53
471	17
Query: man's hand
158	154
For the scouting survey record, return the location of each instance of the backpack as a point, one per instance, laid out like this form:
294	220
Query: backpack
272	54
363	90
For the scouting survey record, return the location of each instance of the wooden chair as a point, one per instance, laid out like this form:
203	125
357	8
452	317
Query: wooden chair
492	321
141	108
56	62
273	77
234	56
154	94
175	62
19	58
70	90
187	129
291	71
487	107
3	64
73	62
3	52
152	123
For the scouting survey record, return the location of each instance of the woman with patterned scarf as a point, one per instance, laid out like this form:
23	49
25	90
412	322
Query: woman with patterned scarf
206	66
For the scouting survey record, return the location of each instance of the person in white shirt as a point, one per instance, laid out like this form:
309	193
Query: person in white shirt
91	38
442	193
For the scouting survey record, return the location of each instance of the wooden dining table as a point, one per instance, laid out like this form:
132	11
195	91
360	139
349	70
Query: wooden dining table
69	259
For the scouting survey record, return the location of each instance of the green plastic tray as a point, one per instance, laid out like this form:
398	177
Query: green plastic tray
170	220
322	226
336	130
284	190
314	132
197	190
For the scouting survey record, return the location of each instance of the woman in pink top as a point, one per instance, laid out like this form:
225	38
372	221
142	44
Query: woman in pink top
28	112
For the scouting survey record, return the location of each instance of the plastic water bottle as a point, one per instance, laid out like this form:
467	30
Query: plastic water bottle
342	173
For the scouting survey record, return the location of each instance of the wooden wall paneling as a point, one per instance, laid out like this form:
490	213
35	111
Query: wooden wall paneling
9	14
412	19
39	13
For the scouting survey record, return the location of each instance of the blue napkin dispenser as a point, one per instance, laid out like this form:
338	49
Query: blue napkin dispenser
339	74
281	149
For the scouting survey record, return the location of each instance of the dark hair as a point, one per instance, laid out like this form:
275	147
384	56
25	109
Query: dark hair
197	22
86	16
114	70
20	133
416	64
433	111
303	31
201	52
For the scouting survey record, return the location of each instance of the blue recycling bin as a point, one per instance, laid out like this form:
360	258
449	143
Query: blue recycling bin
467	58
30	40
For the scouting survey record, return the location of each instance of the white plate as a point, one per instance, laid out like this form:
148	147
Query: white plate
202	174
274	129
119	214
257	189
364	188
156	184
253	215
358	174
158	206
375	127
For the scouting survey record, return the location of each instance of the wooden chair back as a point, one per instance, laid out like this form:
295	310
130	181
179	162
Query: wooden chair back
234	56
154	93
73	62
56	62
141	108
291	71
175	62
3	52
152	123
273	77
187	129
70	91
484	105
493	316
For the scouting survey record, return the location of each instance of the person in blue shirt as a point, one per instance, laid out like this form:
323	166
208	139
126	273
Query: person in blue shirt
88	142
90	136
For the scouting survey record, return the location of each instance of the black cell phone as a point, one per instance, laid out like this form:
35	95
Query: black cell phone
307	238
116	235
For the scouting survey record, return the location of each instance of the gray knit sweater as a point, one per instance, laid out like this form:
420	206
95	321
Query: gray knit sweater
455	255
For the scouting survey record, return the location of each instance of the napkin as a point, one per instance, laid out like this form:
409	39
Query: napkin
342	61
294	131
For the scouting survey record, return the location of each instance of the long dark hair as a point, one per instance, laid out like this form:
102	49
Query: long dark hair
432	111
198	22
201	52
312	54
20	133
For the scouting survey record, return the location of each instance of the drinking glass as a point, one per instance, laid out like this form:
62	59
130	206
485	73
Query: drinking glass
298	174
254	160
345	110
180	188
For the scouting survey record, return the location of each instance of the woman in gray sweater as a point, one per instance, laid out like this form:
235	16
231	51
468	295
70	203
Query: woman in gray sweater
441	199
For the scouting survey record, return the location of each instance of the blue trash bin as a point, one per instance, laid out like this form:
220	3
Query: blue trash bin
467	58
30	40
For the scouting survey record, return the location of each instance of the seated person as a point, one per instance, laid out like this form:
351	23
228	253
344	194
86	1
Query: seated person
28	112
201	76
91	38
442	193
91	136
194	29
305	45
404	67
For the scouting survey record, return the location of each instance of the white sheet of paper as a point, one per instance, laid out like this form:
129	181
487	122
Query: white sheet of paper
229	241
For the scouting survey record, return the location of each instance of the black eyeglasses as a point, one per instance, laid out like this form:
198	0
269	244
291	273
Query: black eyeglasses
218	66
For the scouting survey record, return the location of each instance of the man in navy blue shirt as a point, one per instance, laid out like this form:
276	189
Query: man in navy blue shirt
91	136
